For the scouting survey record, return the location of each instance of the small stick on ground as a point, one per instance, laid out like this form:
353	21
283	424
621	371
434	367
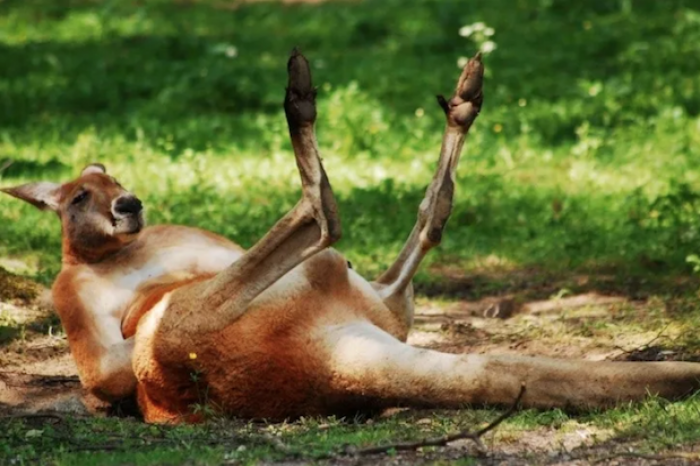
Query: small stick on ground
646	345
475	436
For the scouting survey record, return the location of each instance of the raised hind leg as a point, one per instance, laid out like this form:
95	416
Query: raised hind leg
311	226
394	285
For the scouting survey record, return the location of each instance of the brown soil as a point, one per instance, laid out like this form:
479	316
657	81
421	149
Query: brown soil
16	288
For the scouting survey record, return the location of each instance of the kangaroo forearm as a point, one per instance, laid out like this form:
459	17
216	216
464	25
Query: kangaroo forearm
114	386
111	377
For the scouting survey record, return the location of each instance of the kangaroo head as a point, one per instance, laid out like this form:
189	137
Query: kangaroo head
98	216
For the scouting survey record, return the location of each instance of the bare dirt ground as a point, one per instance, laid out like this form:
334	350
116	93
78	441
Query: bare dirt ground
37	373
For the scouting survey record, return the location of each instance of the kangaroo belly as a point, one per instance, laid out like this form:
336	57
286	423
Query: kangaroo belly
271	362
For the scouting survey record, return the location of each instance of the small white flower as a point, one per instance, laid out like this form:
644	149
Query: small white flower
462	62
231	51
466	31
488	32
488	46
479	26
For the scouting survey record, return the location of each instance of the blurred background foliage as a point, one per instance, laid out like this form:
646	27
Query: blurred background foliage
586	155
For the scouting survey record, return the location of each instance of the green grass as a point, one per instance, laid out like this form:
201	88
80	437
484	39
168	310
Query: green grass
586	157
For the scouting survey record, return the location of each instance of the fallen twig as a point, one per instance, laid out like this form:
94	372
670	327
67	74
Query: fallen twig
646	345
438	441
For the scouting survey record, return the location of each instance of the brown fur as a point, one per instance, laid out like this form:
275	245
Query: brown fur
94	245
273	345
148	296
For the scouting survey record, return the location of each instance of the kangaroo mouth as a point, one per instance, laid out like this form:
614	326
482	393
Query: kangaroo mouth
128	224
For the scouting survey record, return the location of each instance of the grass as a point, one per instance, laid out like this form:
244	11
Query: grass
585	159
585	155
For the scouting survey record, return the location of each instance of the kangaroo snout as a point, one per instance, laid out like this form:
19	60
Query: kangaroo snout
127	205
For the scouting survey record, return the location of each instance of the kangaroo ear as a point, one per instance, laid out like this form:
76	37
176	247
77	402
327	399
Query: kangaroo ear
93	168
43	195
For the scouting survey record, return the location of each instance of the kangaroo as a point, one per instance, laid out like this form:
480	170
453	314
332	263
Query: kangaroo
175	315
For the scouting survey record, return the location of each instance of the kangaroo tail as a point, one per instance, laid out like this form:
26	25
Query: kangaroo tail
369	363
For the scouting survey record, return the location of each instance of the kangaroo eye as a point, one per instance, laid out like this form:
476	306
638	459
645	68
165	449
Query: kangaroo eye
80	198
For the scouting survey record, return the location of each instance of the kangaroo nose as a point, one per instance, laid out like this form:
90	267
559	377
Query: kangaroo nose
128	205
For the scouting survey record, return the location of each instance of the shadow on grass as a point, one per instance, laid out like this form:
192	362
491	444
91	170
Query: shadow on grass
531	284
627	245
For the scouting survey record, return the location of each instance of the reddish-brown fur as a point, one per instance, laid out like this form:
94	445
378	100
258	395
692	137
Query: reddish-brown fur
148	296
275	344
105	188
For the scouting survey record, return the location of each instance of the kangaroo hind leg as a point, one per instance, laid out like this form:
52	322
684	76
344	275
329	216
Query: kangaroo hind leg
394	285
311	226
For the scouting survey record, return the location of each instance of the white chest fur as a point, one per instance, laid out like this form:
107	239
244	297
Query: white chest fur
107	293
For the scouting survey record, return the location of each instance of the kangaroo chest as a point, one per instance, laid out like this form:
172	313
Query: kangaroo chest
109	294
